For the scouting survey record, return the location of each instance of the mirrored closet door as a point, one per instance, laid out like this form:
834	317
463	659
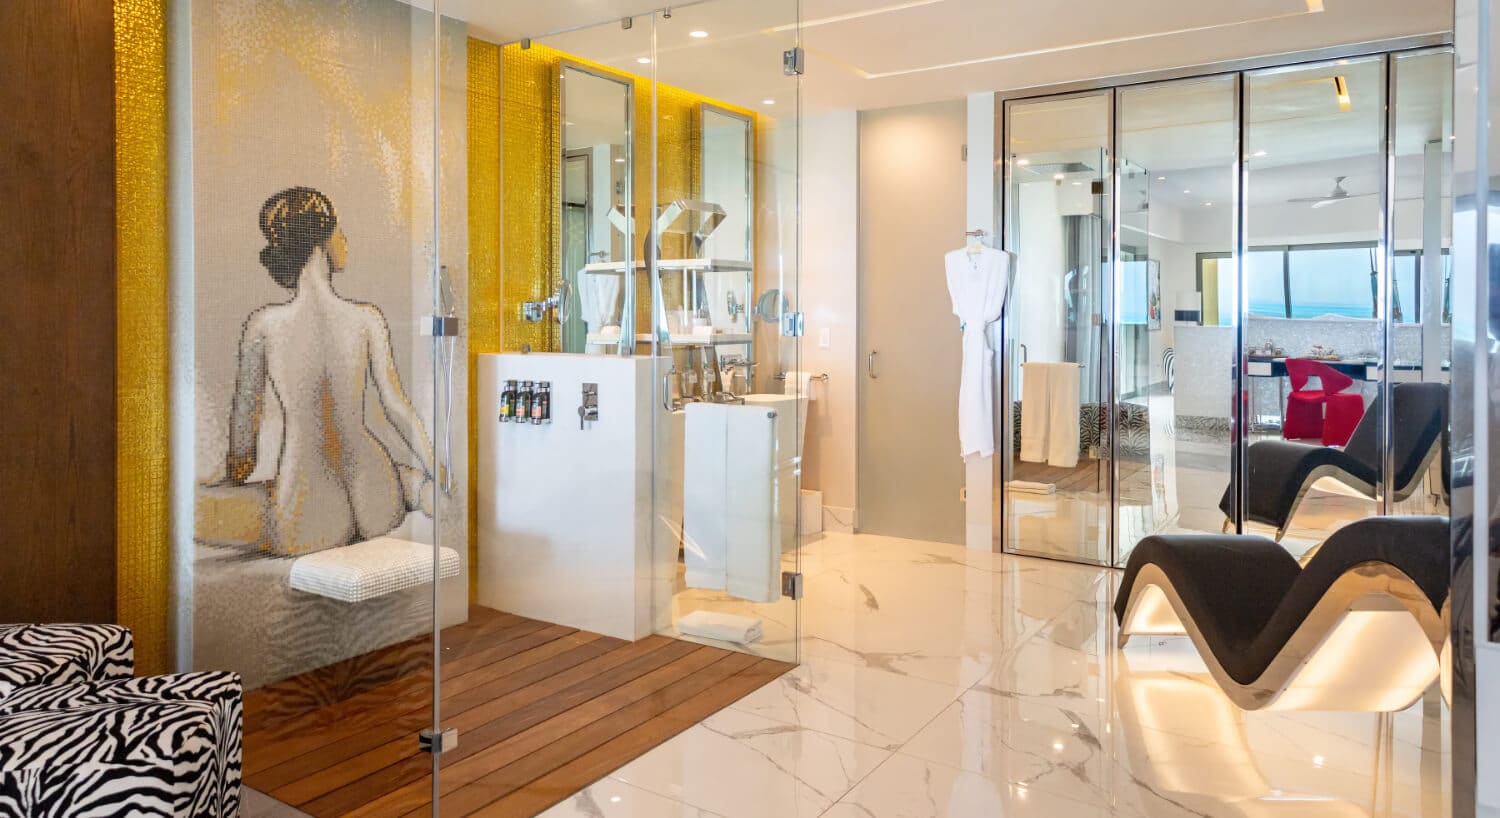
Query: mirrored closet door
1057	466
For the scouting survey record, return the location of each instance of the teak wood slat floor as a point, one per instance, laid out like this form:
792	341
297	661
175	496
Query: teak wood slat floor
542	711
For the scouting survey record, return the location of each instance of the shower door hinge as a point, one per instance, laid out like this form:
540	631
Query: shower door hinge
791	324
439	743
791	584
440	326
792	62
963	153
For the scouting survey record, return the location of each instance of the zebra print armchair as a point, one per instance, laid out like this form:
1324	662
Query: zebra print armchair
79	735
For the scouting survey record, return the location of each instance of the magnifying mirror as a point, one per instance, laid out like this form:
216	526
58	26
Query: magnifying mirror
771	305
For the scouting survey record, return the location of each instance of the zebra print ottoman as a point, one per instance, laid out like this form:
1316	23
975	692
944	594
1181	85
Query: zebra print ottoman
155	746
58	654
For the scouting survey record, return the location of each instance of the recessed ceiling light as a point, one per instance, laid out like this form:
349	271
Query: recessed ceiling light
1058	176
1161	178
1077	184
697	35
1258	154
768	102
620	159
1317	761
1023	162
1185	192
1208	204
643	60
614	799
1057	745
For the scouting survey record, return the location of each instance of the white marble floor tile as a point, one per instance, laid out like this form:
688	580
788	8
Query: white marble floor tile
610	798
741	765
870	706
907	787
942	682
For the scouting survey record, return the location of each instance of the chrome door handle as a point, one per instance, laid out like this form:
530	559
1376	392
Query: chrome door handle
1024	355
870	366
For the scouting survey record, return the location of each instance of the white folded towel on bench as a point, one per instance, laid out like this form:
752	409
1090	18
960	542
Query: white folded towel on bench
741	630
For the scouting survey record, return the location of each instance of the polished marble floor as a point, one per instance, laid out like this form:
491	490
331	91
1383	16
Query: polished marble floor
938	681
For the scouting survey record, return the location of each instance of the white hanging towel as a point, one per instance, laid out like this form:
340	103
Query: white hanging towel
731	537
798	383
1049	413
977	279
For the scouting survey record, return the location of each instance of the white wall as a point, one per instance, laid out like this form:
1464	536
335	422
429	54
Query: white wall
830	236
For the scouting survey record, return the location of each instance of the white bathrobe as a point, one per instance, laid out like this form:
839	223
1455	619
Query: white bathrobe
977	283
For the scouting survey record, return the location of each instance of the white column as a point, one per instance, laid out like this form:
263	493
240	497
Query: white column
979	472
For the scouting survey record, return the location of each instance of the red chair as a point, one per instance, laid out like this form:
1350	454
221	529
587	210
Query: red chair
1328	413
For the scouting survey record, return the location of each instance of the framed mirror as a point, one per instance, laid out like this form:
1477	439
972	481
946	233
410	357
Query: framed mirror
726	142
594	252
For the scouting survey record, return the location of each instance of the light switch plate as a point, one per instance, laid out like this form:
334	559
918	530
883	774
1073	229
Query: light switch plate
825	338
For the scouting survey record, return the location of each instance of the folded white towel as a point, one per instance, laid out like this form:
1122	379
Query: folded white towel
723	627
1031	488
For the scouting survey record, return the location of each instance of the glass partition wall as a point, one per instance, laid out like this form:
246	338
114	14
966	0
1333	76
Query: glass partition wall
375	197
650	170
1270	279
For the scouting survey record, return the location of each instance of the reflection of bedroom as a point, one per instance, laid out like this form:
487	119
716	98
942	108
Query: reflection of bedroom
743	408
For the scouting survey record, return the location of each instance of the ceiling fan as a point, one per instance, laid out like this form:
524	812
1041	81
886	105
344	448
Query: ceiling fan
1338	194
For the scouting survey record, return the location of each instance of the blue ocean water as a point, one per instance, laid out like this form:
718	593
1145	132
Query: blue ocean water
1312	310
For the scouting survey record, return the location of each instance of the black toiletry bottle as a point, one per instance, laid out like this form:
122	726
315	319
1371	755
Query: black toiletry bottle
508	402
523	402
541	405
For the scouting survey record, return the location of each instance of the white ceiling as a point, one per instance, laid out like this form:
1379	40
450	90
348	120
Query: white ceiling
880	53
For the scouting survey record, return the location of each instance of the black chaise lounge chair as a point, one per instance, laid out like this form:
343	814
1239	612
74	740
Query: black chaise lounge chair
1359	627
1279	472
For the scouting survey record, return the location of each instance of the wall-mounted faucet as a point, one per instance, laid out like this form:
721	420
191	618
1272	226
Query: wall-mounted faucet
536	311
588	407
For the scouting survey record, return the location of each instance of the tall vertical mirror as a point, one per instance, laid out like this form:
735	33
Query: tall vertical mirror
1422	309
1174	335
1057	470
1314	330
596	111
726	151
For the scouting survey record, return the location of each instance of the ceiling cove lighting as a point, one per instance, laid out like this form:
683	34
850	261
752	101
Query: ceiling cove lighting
856	15
1129	38
1341	90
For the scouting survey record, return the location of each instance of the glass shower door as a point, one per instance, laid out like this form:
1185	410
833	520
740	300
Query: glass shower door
724	291
1058	208
320	186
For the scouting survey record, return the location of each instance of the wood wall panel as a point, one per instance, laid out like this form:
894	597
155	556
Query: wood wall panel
57	311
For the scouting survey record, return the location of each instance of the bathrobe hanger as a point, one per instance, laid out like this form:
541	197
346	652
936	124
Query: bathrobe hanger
976	241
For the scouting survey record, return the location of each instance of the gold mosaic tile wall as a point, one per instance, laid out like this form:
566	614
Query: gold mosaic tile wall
485	320
144	554
531	178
